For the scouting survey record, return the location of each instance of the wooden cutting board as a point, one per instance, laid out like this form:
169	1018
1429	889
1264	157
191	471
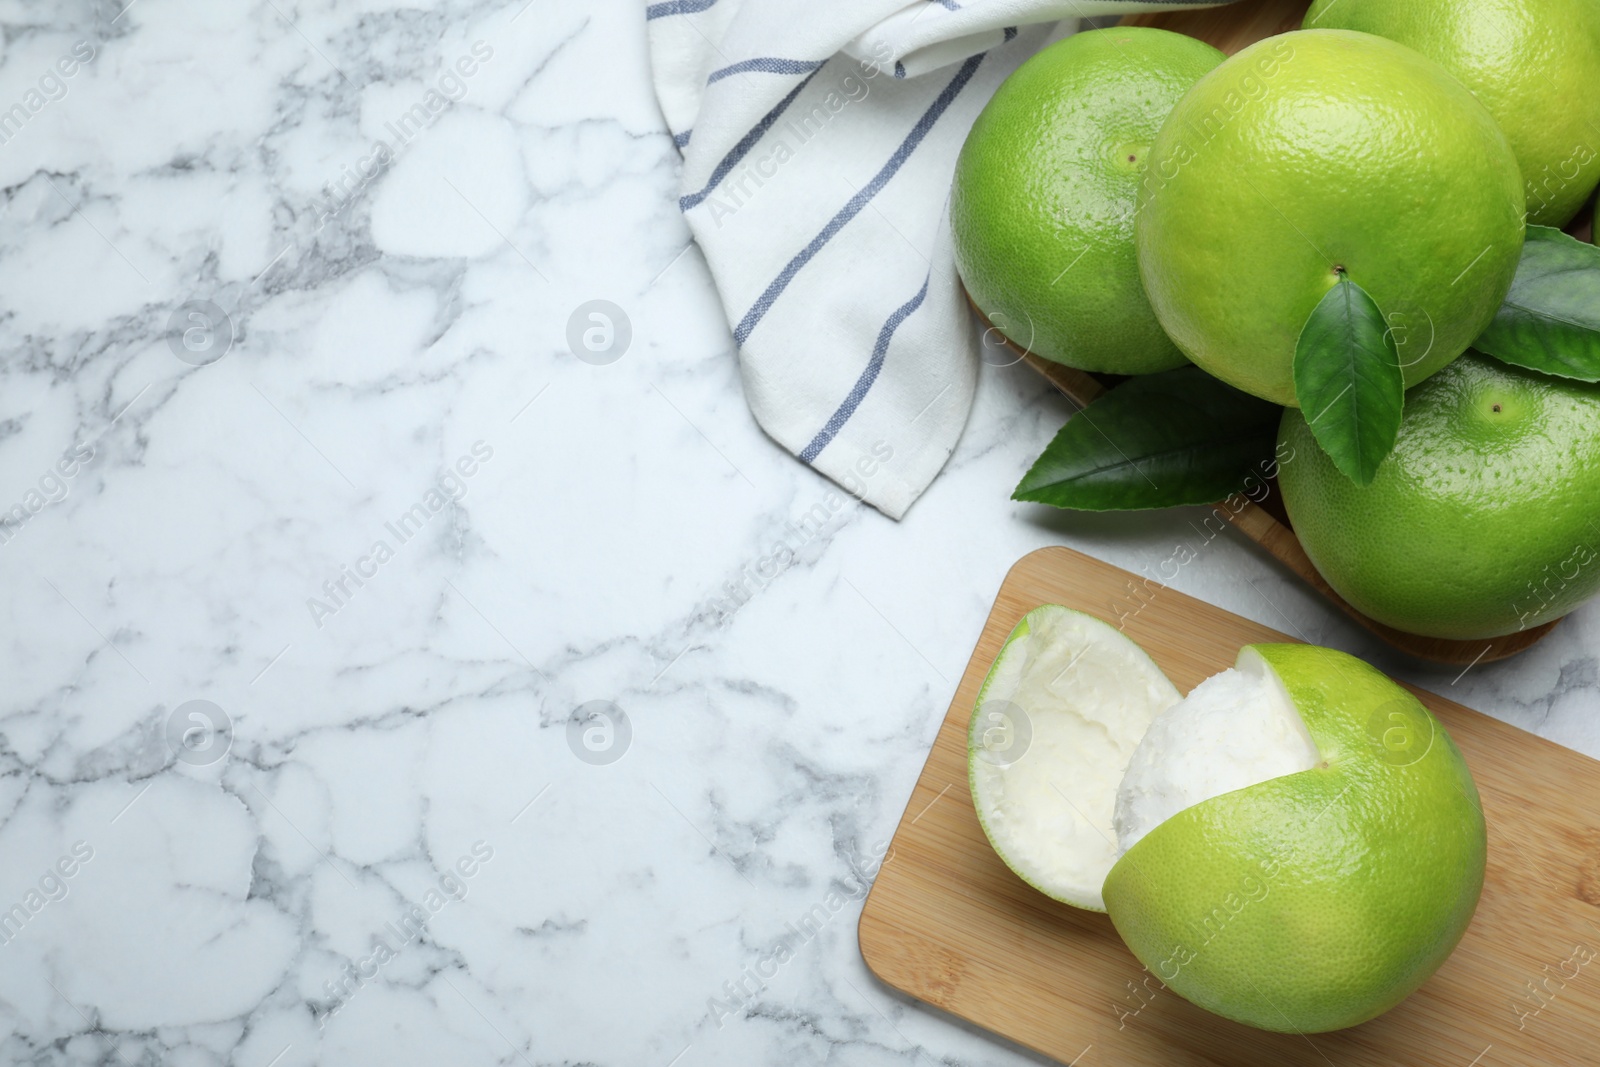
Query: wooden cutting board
948	923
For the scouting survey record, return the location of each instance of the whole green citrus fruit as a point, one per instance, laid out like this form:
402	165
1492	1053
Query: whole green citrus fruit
1315	154
1535	64
1484	520
1041	212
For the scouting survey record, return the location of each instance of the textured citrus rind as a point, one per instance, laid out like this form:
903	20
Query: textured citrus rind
1043	200
1536	71
1321	899
1484	520
1279	173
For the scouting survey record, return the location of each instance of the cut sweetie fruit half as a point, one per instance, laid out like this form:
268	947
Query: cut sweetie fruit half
1296	845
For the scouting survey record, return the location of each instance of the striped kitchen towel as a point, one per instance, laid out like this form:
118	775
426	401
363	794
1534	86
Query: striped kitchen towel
818	142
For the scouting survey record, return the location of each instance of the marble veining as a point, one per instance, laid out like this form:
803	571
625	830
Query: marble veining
286	281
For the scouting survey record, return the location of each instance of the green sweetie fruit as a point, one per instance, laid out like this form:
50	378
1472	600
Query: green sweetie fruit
1535	64
1309	157
1484	520
1041	212
1297	845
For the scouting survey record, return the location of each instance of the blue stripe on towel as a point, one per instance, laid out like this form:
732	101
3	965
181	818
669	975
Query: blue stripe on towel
763	304
681	139
677	7
742	149
766	65
868	376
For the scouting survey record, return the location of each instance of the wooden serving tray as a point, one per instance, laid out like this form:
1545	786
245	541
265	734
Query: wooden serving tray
1231	28
948	923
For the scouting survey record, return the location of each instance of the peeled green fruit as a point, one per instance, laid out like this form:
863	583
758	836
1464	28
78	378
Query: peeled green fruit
1297	845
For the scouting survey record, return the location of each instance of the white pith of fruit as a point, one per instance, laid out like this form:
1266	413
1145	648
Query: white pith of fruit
1086	694
1080	746
1234	730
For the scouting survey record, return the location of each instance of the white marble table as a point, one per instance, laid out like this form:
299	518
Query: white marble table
377	520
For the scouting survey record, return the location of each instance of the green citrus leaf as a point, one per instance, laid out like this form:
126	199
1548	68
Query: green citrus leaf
1550	320
1348	381
1155	441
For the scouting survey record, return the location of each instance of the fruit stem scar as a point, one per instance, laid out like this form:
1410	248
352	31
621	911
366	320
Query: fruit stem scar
1338	268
